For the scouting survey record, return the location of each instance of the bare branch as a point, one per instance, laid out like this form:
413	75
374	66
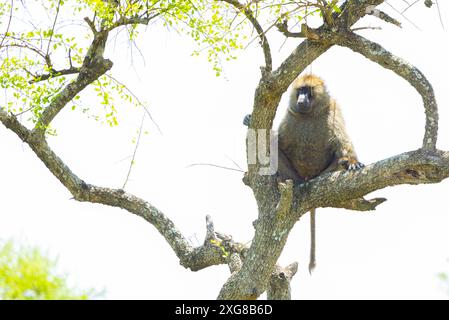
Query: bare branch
53	74
28	46
91	25
439	14
352	11
137	99
332	190
397	11
410	5
263	39
366	28
385	17
93	67
361	204
283	28
213	165
131	164
216	248
123	21
410	73
329	190
53	28
70	91
11	9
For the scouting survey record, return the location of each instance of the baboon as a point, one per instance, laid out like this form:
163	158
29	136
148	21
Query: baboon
312	139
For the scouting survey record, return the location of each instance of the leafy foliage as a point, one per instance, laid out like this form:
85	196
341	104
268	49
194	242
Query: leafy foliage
39	59
27	274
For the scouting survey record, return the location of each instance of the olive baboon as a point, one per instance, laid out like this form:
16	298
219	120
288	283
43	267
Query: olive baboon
312	139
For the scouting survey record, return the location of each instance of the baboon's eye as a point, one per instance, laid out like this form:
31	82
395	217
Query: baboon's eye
304	91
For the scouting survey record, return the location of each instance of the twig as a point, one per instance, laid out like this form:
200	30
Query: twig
9	23
213	165
366	28
134	153
263	39
138	101
439	13
410	21
235	163
410	5
53	28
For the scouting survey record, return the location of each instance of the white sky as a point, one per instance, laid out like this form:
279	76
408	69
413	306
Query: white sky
392	253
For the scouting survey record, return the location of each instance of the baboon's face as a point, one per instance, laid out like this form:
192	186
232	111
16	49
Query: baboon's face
305	100
308	96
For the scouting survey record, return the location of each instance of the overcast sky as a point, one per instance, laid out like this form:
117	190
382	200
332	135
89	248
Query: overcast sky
395	252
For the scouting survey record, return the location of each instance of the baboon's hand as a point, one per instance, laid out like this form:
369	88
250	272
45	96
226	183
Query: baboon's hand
247	120
350	164
356	166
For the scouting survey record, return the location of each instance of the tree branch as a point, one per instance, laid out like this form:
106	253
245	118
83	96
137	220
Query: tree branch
385	17
402	68
94	66
54	73
263	39
361	204
283	28
91	25
216	248
272	229
334	189
123	21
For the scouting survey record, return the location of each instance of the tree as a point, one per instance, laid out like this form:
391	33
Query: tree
45	90
27	274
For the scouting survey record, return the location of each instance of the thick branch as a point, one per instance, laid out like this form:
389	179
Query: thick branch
410	73
261	33
353	10
216	248
70	91
272	229
330	190
334	189
93	67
